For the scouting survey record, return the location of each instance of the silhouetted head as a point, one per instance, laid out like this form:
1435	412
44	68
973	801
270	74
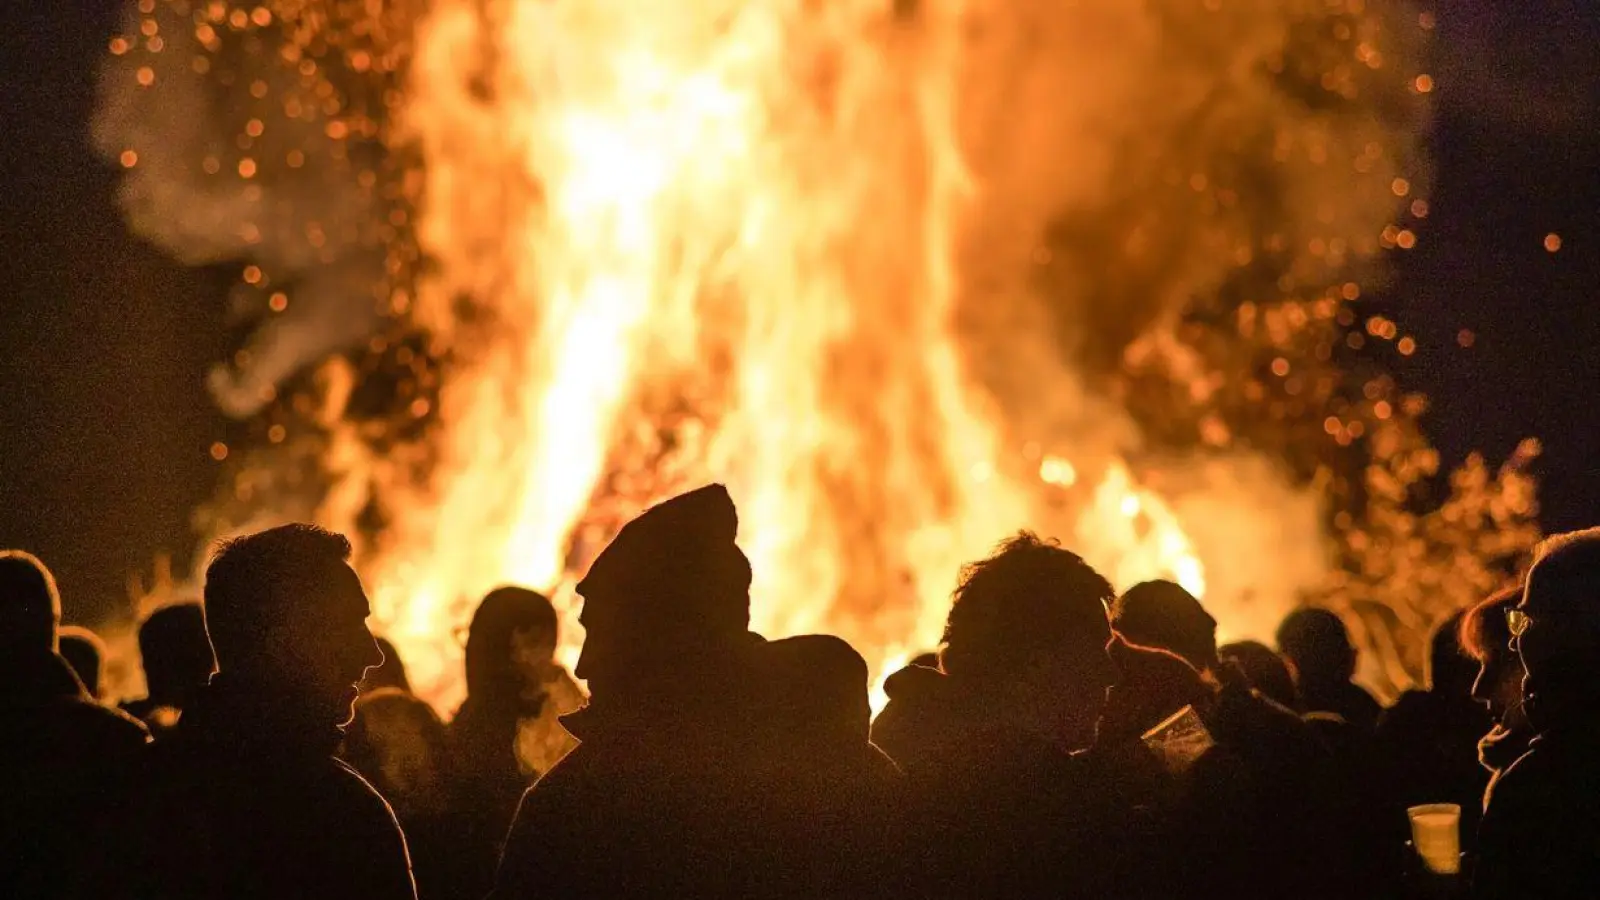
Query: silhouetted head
671	587
288	617
86	654
1266	670
391	673
1318	644
822	689
1450	669
1487	638
1151	685
1163	615
399	744
1029	627
175	653
1560	639
30	608
513	631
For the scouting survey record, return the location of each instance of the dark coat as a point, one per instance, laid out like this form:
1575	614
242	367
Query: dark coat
488	784
703	797
243	801
1345	699
1429	741
60	753
995	811
1289	810
1540	834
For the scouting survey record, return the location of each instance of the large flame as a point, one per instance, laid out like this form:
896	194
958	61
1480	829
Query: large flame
716	241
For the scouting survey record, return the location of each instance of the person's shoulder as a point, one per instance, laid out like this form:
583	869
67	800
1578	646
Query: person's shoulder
571	773
351	787
1537	785
125	726
111	728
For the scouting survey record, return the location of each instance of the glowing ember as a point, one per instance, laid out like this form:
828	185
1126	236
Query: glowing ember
798	248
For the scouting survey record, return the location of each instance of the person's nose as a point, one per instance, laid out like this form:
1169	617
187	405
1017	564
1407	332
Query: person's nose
371	655
1481	684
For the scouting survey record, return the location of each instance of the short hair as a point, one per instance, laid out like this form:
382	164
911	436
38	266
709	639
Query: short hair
1567	566
829	678
86	654
30	606
1152	683
1317	641
1022	602
1484	632
255	581
1266	669
174	651
1164	615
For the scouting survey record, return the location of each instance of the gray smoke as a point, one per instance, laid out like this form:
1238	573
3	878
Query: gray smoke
242	154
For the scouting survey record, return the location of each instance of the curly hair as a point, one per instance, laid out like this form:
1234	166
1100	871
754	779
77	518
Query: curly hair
1025	600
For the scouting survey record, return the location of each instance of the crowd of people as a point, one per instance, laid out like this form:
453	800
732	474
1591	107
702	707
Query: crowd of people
1064	741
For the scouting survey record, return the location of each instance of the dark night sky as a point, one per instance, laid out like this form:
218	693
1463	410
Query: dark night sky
105	425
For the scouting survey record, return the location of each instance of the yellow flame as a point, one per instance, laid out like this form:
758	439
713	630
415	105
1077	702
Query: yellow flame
712	241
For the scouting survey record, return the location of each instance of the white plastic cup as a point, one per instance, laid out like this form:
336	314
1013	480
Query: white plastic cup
1436	833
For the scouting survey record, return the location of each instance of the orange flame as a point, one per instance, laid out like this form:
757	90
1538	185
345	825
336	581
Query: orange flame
716	241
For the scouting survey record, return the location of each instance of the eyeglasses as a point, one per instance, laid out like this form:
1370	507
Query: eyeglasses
1517	621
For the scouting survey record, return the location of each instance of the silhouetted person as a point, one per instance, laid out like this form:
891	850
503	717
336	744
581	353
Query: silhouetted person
840	795
1201	803
59	749
1369	832
391	673
177	660
1265	670
1250	814
398	743
1498	687
1162	614
1430	737
1001	807
675	790
1268	767
1318	644
86	654
1151	684
245	799
510	645
1540	835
